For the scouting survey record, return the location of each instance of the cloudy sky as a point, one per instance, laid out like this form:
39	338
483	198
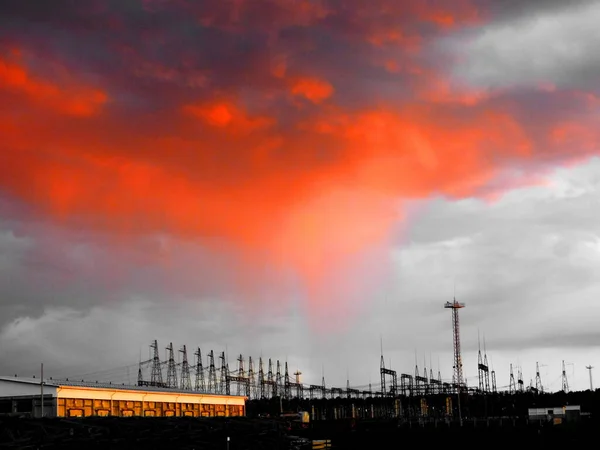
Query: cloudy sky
301	180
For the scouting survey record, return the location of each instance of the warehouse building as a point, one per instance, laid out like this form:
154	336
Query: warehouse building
64	398
556	414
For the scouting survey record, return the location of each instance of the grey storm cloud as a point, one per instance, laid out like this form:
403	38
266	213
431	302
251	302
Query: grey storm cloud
553	47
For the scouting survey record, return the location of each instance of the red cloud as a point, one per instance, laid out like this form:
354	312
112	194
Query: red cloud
313	89
76	100
233	159
228	116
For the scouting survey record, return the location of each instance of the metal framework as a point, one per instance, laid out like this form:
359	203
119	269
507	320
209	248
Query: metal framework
277	381
186	383
539	388
171	368
520	382
565	382
483	370
458	368
391	388
512	385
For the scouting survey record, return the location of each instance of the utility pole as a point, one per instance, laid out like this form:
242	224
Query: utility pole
42	391
589	368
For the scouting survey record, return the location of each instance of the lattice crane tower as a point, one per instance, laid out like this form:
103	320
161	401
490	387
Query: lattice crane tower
458	373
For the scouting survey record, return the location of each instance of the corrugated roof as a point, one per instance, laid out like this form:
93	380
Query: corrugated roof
102	385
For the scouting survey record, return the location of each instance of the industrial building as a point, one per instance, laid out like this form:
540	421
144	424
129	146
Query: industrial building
64	398
556	414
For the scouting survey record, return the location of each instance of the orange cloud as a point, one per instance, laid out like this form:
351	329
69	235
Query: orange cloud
203	144
308	195
312	89
228	115
75	100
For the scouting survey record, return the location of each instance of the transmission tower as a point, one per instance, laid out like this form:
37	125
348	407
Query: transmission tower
419	385
392	388
261	379
426	378
432	381
512	386
186	383
538	379
251	385
520	381
200	385
589	368
171	368
287	389
212	374
224	376
272	381
487	368
565	383
156	374
494	390
382	372
241	374
279	381
481	368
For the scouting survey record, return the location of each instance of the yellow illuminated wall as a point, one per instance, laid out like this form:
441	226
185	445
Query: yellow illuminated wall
83	402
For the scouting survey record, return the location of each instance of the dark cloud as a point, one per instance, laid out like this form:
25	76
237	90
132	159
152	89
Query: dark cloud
515	9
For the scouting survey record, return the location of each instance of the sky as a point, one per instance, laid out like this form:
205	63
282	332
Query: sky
302	180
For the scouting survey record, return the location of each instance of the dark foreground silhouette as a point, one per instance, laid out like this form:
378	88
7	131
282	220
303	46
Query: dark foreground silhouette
247	433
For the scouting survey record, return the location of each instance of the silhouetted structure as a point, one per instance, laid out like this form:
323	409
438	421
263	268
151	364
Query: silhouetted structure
589	368
565	382
457	377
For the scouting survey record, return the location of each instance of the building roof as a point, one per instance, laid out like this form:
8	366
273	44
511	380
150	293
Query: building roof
27	380
102	385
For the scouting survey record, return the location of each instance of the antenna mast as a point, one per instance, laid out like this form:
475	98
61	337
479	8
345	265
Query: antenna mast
458	373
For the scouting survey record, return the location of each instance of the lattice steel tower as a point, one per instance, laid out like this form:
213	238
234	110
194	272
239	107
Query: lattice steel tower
565	382
156	375
458	372
171	368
